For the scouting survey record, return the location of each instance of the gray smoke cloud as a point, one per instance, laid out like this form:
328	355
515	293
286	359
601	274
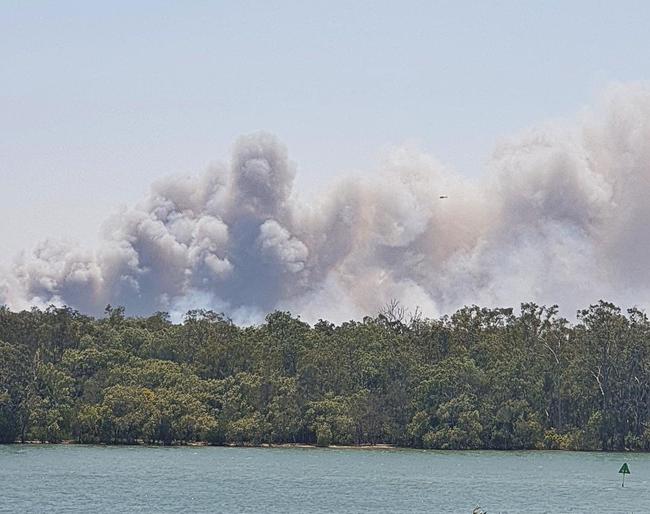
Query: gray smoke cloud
560	216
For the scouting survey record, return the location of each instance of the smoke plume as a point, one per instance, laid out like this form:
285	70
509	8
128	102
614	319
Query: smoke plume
559	217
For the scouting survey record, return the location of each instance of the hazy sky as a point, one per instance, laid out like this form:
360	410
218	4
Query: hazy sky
97	100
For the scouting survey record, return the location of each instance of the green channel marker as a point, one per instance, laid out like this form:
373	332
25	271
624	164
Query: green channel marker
625	470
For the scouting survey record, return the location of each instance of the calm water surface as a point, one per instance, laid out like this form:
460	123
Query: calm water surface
207	479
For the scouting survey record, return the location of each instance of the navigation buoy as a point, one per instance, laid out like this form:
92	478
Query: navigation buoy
625	471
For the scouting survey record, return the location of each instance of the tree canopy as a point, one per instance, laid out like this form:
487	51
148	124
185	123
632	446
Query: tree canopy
480	378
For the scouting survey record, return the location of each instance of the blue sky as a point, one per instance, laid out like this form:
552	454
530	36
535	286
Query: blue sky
99	99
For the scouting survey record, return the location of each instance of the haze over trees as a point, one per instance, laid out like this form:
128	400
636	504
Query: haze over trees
480	378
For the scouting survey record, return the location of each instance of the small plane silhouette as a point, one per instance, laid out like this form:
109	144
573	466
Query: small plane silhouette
443	196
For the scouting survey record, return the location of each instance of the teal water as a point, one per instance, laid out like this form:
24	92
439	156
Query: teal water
71	478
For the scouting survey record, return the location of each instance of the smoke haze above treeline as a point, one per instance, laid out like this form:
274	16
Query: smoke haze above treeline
559	217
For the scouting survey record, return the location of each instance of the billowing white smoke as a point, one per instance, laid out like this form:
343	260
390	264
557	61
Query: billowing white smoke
560	217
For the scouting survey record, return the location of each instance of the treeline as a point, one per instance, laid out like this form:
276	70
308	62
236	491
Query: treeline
481	378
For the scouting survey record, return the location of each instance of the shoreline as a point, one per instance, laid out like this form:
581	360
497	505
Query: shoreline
72	442
364	447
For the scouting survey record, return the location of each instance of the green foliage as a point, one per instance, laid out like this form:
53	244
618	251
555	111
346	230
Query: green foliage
323	435
458	426
482	378
334	416
14	385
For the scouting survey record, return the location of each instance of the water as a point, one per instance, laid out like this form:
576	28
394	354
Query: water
70	478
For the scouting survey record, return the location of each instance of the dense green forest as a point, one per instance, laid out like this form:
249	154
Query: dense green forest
481	378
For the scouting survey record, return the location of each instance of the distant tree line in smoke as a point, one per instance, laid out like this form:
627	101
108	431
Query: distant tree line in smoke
480	378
